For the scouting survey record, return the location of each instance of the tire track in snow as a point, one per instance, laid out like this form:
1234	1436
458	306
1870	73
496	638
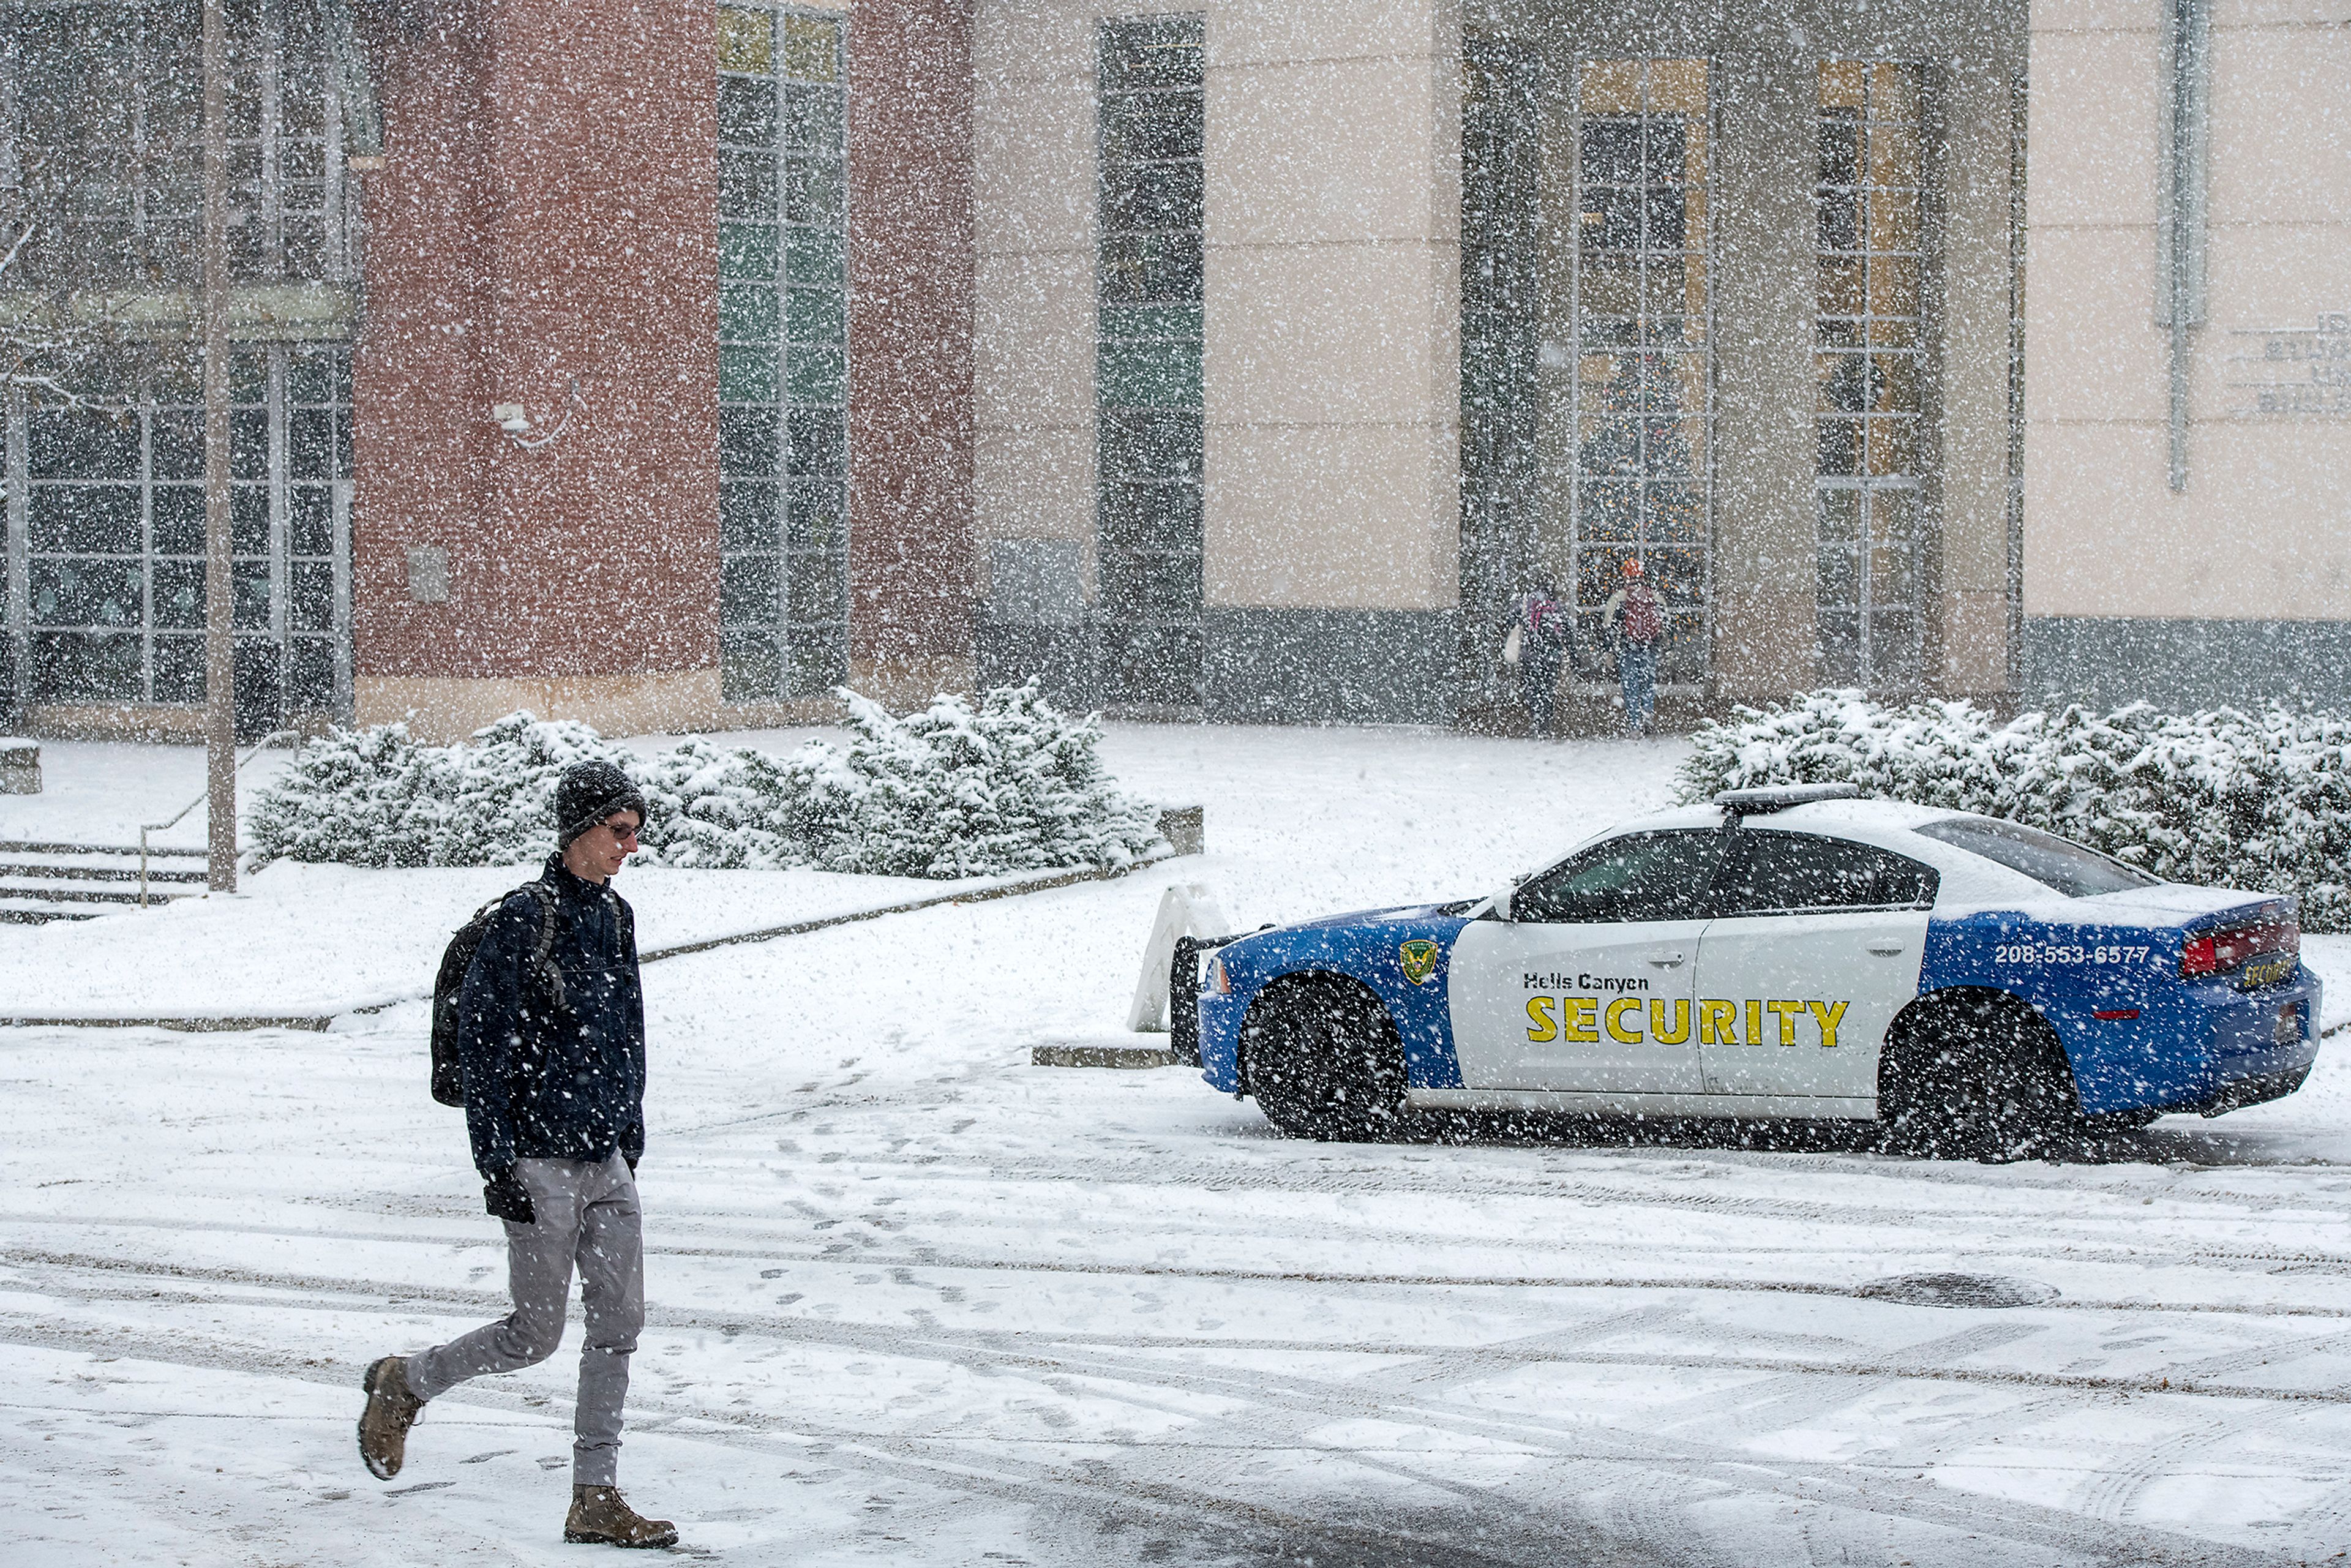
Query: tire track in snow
1363	1531
1826	1483
1377	1534
838	1254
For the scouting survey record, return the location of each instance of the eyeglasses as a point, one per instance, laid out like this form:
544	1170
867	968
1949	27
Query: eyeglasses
626	835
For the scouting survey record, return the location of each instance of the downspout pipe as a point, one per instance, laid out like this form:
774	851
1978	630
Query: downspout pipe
2179	222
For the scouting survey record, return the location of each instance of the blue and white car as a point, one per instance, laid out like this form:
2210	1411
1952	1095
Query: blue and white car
1797	953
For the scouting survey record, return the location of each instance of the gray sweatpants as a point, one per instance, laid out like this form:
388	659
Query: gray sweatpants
586	1214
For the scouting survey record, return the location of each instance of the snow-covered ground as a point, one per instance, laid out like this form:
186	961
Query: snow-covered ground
326	939
915	1300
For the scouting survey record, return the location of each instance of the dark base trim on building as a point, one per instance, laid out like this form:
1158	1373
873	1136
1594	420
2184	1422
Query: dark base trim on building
1264	666
1061	658
1329	666
2185	663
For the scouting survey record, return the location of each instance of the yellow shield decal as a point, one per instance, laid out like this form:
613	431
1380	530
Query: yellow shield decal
1419	959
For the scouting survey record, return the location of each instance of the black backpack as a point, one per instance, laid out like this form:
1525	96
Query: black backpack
448	1075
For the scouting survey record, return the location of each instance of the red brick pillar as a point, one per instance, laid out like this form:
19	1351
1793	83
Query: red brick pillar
912	575
546	214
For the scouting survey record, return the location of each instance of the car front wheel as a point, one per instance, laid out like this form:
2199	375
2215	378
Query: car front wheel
1323	1059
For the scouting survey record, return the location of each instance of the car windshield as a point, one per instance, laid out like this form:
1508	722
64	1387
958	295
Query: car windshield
2060	865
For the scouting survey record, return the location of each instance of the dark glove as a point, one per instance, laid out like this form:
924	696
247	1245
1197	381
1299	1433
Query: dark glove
633	1162
504	1197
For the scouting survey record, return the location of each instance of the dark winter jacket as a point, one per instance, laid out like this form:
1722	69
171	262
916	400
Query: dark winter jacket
549	1082
1544	625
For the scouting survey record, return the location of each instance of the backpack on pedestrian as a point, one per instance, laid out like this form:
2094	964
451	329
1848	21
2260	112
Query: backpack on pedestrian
448	987
1642	623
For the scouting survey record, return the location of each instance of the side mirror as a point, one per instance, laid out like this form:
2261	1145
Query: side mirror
1502	906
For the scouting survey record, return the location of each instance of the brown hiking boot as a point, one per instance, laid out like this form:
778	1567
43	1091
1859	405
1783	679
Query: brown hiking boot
390	1411
600	1518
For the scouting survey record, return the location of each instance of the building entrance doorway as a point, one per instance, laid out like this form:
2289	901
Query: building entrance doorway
1639	381
1716	318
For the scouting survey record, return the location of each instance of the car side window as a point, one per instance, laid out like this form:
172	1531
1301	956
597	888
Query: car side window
1768	873
1640	876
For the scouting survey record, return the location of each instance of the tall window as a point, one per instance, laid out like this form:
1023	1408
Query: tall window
1643	391
1147	360
101	390
783	382
112	481
102	172
1868	362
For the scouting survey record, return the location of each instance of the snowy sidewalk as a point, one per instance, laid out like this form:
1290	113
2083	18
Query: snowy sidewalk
312	942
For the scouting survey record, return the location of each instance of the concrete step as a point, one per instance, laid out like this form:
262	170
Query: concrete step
17	911
59	869
154	851
31	892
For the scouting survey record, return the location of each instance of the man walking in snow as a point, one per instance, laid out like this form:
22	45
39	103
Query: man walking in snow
552	1043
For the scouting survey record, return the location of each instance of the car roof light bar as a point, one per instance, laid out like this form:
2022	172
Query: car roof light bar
1770	797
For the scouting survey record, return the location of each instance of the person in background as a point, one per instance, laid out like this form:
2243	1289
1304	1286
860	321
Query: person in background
552	1042
1541	624
1635	623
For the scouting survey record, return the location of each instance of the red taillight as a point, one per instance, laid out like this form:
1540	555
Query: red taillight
1217	980
2217	952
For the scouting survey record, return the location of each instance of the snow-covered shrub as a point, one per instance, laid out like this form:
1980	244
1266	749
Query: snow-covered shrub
946	792
356	797
2258	800
949	792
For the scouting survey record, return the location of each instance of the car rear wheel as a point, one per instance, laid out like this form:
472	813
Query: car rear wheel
1975	1076
1323	1059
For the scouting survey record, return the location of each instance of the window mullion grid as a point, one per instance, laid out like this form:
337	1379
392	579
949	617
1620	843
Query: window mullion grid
812	579
12	193
780	537
19	549
1706	476
1646	367
338	225
15	602
142	56
144	401
271	86
1579	483
279	501
342	502
751	640
785	632
1135	350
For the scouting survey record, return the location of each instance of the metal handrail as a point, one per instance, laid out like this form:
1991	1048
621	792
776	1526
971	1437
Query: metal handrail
180	815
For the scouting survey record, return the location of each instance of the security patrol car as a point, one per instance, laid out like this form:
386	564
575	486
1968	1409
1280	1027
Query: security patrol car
1973	984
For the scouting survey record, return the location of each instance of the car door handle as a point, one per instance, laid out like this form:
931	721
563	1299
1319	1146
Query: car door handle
1669	961
1885	950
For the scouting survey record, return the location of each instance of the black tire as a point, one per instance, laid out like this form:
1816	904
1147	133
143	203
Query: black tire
1975	1076
1324	1060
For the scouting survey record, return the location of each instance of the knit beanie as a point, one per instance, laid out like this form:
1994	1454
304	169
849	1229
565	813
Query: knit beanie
588	793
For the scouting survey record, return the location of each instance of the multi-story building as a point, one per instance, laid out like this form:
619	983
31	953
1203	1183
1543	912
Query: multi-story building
668	366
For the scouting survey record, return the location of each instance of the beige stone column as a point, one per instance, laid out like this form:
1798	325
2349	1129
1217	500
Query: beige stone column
1034	227
1971	130
1766	456
1333	306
